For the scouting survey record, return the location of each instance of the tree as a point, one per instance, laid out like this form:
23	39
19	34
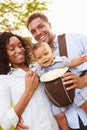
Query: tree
13	15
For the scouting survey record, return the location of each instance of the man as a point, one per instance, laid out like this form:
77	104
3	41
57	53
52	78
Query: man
40	27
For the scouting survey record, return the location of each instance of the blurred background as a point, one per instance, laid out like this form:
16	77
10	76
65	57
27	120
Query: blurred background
69	16
65	15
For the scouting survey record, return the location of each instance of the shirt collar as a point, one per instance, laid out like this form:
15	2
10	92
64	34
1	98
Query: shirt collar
16	72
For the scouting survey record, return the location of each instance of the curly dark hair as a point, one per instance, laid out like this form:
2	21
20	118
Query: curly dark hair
4	40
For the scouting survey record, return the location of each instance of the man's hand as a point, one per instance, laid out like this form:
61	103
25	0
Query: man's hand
21	125
76	81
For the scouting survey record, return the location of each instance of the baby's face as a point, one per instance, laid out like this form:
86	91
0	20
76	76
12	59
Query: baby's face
44	55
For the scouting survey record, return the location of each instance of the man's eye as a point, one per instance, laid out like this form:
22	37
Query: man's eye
33	32
40	26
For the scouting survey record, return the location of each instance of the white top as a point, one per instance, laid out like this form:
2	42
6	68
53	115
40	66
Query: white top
37	114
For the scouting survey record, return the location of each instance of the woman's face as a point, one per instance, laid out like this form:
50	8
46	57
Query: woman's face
15	51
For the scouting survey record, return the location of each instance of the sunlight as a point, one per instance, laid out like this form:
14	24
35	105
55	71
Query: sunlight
67	16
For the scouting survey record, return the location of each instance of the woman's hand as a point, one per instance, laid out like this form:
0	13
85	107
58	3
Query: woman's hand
21	125
31	81
71	78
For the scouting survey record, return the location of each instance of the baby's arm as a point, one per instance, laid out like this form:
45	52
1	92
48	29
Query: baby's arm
58	112
62	122
79	60
84	107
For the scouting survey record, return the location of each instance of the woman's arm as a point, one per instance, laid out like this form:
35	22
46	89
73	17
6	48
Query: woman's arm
9	117
31	82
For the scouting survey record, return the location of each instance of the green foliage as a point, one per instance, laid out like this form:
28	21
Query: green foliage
10	129
13	15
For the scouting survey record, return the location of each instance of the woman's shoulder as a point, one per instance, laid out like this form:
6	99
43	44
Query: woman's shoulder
4	81
3	77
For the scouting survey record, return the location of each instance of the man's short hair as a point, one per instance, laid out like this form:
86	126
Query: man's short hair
37	15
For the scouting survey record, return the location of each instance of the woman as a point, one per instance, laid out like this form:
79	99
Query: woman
19	87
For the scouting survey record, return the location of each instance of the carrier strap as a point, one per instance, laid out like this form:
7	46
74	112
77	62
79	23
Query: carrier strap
62	45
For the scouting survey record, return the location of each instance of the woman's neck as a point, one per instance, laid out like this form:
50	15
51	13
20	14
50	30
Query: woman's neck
22	66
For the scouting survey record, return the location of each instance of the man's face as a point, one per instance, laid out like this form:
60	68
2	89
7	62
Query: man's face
41	30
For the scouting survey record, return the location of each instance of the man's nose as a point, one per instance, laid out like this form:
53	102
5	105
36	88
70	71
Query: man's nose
38	32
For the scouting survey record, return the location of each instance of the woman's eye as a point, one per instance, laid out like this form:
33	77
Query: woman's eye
20	46
11	49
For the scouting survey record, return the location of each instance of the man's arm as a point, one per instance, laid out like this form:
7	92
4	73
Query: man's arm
78	82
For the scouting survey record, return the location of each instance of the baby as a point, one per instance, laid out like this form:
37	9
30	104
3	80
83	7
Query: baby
45	58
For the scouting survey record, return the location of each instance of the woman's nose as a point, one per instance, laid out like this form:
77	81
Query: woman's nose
18	49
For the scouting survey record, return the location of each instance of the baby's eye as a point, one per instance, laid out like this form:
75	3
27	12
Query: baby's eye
38	58
46	53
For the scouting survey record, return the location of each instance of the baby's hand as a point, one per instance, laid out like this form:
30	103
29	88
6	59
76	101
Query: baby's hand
31	81
84	57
